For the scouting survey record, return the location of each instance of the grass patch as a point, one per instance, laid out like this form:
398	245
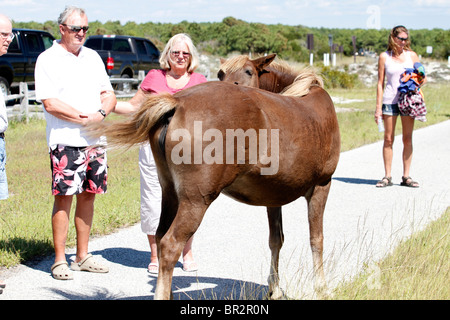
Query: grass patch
418	269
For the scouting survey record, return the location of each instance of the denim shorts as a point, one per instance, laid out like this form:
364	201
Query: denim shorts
391	109
3	179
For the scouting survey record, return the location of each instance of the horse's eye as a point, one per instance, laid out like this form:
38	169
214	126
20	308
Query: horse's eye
249	72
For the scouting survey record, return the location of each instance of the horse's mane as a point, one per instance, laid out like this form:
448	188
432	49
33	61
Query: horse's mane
234	64
305	77
305	80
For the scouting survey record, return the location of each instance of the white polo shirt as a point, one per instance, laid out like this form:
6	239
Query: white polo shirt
75	80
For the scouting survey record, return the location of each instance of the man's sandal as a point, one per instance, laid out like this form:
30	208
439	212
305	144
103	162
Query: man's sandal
408	182
385	182
89	264
61	271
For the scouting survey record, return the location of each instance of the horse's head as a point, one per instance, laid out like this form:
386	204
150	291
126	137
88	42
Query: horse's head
241	70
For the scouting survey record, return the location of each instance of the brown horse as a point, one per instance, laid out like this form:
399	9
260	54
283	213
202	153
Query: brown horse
214	138
263	73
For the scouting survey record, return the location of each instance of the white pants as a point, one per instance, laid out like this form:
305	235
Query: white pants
151	194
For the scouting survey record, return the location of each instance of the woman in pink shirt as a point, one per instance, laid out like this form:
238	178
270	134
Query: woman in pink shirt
391	65
178	62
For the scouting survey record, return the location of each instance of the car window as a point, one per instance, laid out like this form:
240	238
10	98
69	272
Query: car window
94	43
14	46
141	47
151	49
121	45
32	41
108	43
47	40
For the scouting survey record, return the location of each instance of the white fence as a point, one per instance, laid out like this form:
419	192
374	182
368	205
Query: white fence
23	110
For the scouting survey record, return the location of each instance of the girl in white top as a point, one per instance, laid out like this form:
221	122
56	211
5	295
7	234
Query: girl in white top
391	65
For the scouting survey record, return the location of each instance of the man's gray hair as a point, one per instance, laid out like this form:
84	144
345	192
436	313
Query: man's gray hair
68	11
5	17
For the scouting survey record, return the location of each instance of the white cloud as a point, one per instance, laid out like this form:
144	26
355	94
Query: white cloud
16	3
433	3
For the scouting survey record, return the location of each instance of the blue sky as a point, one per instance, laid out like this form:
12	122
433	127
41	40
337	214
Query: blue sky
414	14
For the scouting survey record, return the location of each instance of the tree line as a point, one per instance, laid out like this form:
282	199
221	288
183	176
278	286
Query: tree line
289	42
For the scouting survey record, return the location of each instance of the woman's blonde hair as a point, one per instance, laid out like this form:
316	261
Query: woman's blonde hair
165	55
392	46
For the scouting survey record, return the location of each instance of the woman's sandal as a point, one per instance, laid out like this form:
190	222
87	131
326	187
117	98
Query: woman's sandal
153	268
61	271
409	182
190	266
385	182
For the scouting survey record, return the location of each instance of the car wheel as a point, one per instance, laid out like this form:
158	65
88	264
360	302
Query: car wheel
125	86
4	86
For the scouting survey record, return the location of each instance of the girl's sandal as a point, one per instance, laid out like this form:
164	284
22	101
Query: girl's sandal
409	182
385	182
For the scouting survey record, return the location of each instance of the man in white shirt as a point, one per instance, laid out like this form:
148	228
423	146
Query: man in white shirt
72	83
6	37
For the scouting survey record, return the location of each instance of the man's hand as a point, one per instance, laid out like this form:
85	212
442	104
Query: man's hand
91	118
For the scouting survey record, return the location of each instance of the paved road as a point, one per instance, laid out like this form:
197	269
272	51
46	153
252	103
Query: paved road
362	223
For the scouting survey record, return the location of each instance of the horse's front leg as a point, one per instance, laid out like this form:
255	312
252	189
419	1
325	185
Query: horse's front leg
317	198
276	239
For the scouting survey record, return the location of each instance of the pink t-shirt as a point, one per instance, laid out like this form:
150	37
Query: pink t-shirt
156	82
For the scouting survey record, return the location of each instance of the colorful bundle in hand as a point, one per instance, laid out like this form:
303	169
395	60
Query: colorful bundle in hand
411	100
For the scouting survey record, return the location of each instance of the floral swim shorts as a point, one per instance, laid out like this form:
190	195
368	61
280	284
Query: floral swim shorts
78	169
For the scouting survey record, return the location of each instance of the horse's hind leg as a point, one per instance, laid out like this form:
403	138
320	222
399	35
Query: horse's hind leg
317	198
171	241
276	239
169	208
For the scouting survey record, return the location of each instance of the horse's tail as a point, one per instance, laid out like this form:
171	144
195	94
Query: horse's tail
307	78
135	130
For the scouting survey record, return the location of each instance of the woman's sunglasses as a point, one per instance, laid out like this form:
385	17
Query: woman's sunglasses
402	39
177	53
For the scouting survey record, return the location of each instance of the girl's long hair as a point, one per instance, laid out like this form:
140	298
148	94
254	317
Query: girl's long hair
392	46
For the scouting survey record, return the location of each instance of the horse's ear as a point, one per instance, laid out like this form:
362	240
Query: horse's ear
222	60
261	63
220	75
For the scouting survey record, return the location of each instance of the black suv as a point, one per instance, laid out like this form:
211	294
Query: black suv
18	64
125	56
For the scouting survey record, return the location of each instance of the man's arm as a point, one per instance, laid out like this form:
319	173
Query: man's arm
62	110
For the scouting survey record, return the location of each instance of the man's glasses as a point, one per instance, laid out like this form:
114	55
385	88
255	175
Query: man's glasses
76	29
402	39
7	36
177	54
